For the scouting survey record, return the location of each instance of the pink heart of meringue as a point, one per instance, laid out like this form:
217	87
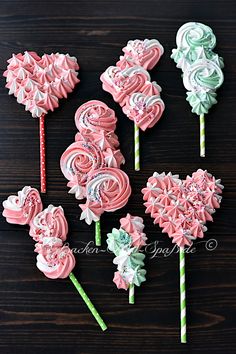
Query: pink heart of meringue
182	207
39	82
144	110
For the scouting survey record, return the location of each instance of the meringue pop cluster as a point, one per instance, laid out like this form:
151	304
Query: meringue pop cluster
182	207
130	84
39	82
202	68
92	163
48	228
126	243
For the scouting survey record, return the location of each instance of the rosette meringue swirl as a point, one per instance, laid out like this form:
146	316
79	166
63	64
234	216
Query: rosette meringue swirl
22	208
145	53
107	189
195	34
58	264
144	110
121	83
203	76
51	222
77	161
95	116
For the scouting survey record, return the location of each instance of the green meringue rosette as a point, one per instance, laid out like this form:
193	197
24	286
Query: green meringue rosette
117	240
184	57
195	34
201	67
139	276
201	102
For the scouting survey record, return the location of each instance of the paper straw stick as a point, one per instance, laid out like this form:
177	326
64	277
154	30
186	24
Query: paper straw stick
131	294
42	154
202	135
98	240
182	295
88	302
136	148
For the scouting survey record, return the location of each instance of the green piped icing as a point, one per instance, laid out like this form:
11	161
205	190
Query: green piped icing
139	276
117	240
186	57
202	74
136	258
129	260
195	34
201	102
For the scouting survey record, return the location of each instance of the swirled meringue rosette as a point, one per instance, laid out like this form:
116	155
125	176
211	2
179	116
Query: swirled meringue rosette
95	147
77	161
107	189
181	208
202	69
49	229
130	85
145	53
38	83
126	243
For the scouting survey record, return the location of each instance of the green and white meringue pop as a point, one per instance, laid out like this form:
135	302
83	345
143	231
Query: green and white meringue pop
202	69
126	243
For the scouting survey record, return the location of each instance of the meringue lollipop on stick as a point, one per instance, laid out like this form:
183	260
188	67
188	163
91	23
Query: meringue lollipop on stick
181	208
39	83
49	229
126	243
96	146
202	74
129	84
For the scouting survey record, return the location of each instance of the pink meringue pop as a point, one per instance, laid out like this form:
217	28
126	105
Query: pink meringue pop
126	243
39	83
96	147
181	208
49	229
130	85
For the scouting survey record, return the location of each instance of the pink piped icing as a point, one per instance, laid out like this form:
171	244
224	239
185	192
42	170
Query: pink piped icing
95	116
95	147
51	222
77	161
22	208
39	83
144	110
57	264
120	281
182	207
122	83
108	189
48	228
130	85
145	53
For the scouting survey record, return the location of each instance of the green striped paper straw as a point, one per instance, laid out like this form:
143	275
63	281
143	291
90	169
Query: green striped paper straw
98	240
131	294
88	302
182	295
202	135
136	148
